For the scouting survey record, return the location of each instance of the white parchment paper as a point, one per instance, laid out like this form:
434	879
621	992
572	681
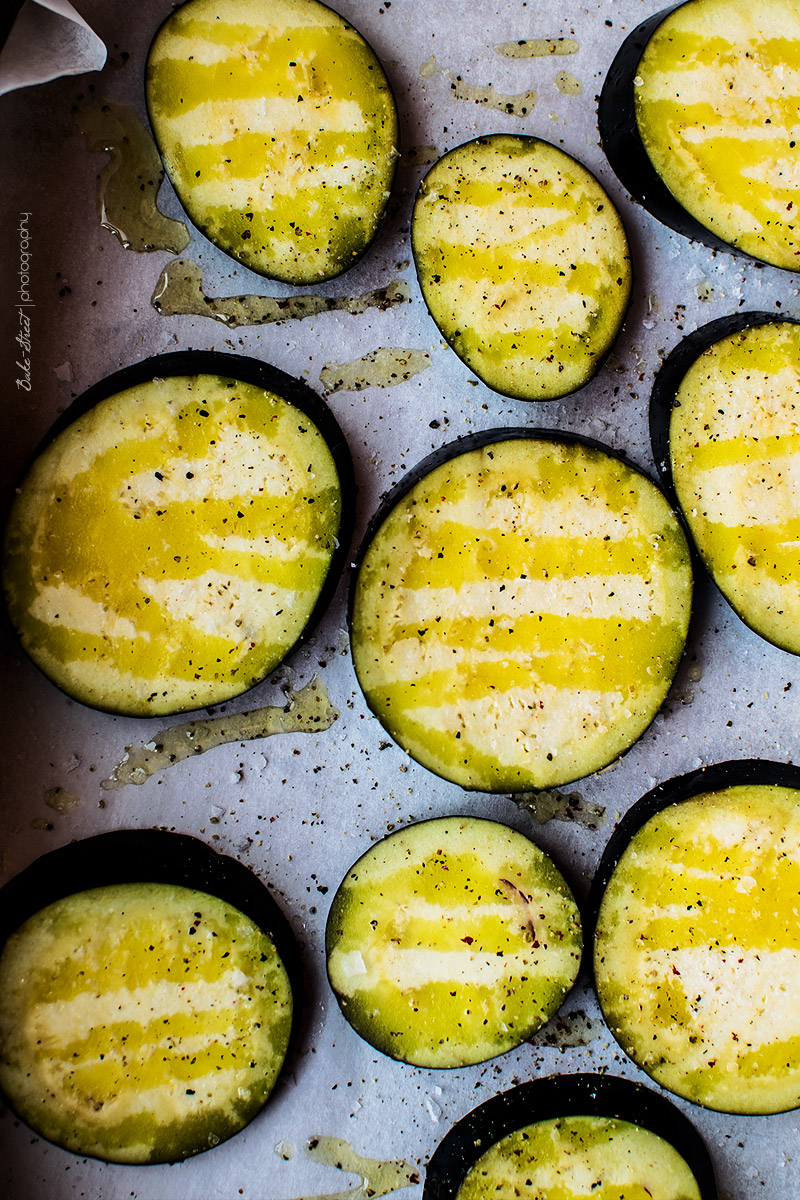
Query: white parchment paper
299	809
49	39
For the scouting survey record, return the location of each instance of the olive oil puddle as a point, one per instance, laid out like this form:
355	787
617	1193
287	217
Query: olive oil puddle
60	800
568	85
549	805
537	47
382	368
179	293
128	184
307	710
378	1177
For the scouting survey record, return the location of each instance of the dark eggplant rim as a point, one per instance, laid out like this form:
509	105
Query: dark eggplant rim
463	445
625	151
415	253
242	369
155	856
196	224
554	1097
714	777
328	940
663	400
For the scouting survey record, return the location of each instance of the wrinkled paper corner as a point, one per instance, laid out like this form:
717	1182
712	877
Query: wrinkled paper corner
48	39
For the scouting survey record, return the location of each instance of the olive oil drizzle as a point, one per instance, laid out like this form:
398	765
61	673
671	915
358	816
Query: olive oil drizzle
381	368
307	710
179	292
129	182
537	47
378	1177
518	105
552	805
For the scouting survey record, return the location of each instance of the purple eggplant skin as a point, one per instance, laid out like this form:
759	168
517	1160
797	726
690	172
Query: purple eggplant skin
619	134
563	1096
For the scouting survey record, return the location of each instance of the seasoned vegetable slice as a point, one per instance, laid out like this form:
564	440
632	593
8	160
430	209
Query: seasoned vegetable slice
558	1157
141	1022
734	457
278	129
568	1137
699	117
171	545
520	609
523	262
452	941
697	943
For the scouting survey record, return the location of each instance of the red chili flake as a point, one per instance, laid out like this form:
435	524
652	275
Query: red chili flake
468	940
675	970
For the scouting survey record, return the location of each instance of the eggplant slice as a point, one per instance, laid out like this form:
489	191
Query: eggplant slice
452	941
571	1136
697	936
278	130
523	262
175	540
725	423
699	118
146	1017
519	610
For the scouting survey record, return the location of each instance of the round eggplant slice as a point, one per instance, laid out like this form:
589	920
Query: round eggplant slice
278	130
698	117
697	936
523	263
174	541
452	941
571	1136
725	417
146	1017
519	610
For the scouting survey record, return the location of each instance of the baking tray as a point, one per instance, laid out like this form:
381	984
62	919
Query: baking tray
300	808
